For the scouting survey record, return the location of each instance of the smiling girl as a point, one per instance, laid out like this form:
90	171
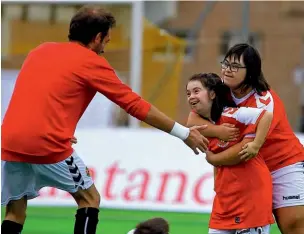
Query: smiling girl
243	200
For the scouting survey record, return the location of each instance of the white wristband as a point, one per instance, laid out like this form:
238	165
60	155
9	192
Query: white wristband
180	131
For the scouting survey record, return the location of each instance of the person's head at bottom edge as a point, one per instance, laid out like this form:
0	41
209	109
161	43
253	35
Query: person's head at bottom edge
151	226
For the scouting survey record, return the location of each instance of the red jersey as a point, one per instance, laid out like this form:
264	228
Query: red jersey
282	147
243	192
54	87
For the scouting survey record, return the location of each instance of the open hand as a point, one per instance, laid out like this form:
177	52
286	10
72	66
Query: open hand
196	141
229	132
249	150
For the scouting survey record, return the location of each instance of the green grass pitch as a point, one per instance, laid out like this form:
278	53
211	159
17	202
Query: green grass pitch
60	220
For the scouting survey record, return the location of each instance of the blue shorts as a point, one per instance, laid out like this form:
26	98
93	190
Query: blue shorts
19	179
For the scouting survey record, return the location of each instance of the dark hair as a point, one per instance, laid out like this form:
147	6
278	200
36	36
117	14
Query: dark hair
213	82
88	22
153	226
252	60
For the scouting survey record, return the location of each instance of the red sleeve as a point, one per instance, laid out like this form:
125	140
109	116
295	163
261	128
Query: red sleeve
269	101
102	77
251	128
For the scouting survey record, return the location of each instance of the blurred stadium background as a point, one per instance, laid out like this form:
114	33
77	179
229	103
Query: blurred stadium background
179	38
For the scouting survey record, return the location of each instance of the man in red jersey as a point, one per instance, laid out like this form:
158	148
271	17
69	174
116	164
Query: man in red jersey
54	87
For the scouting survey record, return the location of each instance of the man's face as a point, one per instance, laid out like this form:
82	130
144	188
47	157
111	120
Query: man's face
100	42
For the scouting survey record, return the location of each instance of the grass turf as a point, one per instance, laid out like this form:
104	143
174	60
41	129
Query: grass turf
60	220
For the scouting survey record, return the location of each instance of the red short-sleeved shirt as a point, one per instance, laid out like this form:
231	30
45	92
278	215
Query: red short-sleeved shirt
54	87
282	147
243	192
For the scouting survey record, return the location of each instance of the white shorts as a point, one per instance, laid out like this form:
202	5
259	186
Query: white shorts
20	179
258	230
288	186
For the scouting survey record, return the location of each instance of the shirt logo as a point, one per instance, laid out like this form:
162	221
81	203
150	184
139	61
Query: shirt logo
297	197
266	101
222	143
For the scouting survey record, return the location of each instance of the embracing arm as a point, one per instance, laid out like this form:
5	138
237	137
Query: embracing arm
211	131
231	156
226	132
263	129
228	157
251	149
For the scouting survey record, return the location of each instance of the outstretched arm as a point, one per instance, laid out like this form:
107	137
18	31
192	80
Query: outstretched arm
100	76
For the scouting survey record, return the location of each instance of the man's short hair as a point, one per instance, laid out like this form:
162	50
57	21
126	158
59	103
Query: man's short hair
153	226
88	22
